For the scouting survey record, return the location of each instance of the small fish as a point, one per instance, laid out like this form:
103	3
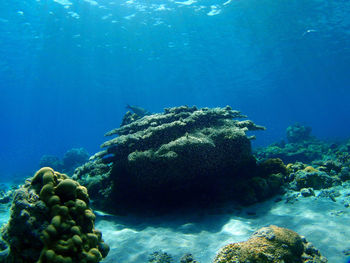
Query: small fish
309	31
138	110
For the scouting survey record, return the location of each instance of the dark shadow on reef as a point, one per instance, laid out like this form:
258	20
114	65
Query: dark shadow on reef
184	156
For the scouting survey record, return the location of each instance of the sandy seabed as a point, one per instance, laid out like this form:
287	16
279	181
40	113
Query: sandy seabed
132	239
323	222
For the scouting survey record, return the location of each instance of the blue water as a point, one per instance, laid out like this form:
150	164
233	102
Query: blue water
68	67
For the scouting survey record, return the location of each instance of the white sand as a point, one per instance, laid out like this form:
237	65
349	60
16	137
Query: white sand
133	239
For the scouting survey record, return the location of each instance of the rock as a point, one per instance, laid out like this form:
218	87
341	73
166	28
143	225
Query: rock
329	193
273	166
160	257
6	196
332	165
346	252
344	174
313	178
188	258
306	192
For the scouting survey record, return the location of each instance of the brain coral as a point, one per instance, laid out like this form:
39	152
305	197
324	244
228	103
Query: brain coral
271	244
51	222
172	158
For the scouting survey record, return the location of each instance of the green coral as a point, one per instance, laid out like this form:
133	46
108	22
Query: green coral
70	237
67	234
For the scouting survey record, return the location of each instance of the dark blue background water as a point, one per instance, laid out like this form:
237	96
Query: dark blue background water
67	69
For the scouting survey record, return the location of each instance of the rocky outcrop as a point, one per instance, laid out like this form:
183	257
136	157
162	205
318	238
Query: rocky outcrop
182	156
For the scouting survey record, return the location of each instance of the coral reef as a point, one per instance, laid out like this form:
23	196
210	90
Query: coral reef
129	117
51	222
298	133
313	178
271	244
272	166
182	156
139	111
6	194
322	176
72	159
96	177
51	161
270	179
133	115
303	147
306	151
160	257
163	257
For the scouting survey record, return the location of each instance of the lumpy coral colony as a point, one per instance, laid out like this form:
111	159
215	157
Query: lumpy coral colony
271	244
51	222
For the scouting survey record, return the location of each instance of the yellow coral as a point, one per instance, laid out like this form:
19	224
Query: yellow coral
53	200
289	167
310	169
68	204
40	174
66	189
46	192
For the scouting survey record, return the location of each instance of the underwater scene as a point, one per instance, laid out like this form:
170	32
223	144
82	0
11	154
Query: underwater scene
175	131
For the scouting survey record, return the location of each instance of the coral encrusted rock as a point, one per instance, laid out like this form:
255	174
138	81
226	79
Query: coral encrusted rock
310	177
271	244
172	158
301	147
51	222
298	133
72	159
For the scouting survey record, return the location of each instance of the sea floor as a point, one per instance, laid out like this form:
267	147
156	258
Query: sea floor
322	221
